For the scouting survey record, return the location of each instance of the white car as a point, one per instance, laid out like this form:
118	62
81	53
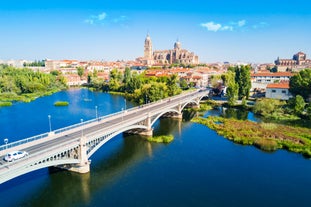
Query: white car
15	155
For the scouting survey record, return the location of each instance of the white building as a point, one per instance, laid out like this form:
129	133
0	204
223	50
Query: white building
278	91
261	80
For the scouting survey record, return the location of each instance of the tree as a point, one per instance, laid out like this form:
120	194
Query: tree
299	105
267	107
232	87
308	109
115	80
300	84
172	86
243	79
183	84
232	93
80	71
127	78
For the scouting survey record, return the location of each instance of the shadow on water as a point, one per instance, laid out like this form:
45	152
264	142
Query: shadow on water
71	189
109	164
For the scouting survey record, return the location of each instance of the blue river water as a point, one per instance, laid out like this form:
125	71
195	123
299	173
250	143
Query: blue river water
199	168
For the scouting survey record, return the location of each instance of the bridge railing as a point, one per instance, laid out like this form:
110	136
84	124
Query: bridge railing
57	131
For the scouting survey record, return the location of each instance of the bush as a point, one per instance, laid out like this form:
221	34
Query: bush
61	103
6	103
161	139
266	144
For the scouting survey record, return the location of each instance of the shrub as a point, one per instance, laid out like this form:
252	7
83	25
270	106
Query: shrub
61	103
266	144
5	103
161	139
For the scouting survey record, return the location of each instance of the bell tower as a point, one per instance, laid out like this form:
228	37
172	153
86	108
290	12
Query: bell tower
148	48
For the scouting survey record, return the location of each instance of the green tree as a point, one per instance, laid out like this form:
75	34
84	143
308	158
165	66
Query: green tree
80	71
300	84
183	84
308	110
243	79
115	80
232	87
172	86
267	107
299	105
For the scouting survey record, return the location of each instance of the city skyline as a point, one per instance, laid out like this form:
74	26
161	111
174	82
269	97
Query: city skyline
236	31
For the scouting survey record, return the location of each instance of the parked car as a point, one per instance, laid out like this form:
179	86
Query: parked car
15	155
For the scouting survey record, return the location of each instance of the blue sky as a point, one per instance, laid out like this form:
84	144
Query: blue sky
249	31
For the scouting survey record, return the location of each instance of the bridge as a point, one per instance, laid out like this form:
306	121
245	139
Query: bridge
71	147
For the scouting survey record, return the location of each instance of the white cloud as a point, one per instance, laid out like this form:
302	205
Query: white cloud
95	19
227	28
102	19
211	26
120	19
89	21
102	16
260	25
241	23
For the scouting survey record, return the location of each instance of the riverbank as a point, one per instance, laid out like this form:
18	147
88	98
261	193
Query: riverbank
265	136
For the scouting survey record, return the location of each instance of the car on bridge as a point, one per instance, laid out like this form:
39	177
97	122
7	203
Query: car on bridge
15	155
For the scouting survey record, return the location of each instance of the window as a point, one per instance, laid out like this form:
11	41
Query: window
284	91
273	91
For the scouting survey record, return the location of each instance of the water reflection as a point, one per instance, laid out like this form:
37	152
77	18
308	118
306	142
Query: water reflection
109	164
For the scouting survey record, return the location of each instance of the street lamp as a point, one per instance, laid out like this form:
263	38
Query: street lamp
124	104
49	116
122	113
82	127
6	140
96	112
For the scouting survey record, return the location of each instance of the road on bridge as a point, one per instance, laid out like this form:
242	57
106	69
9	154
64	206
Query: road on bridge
74	135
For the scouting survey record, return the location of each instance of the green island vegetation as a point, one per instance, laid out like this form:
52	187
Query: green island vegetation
265	136
23	84
61	103
5	103
161	139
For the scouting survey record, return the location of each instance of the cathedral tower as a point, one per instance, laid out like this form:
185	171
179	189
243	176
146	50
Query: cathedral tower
148	48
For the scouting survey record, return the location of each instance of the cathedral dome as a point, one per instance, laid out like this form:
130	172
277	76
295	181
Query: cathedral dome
177	45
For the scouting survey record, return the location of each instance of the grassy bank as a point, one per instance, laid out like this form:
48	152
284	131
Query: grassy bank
265	136
161	139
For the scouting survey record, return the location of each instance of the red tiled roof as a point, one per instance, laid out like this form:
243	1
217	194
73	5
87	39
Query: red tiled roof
273	74
279	85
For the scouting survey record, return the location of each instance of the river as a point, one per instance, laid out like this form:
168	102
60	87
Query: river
199	168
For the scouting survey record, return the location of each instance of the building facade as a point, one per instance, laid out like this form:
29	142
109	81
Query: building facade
176	55
299	61
278	91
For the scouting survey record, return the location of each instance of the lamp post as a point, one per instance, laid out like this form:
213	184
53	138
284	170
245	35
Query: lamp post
49	116
96	112
122	114
6	140
82	127
124	104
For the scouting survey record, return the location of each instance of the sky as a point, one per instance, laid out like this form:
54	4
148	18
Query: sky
255	31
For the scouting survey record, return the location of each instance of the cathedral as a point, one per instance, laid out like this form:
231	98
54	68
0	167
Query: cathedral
176	55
